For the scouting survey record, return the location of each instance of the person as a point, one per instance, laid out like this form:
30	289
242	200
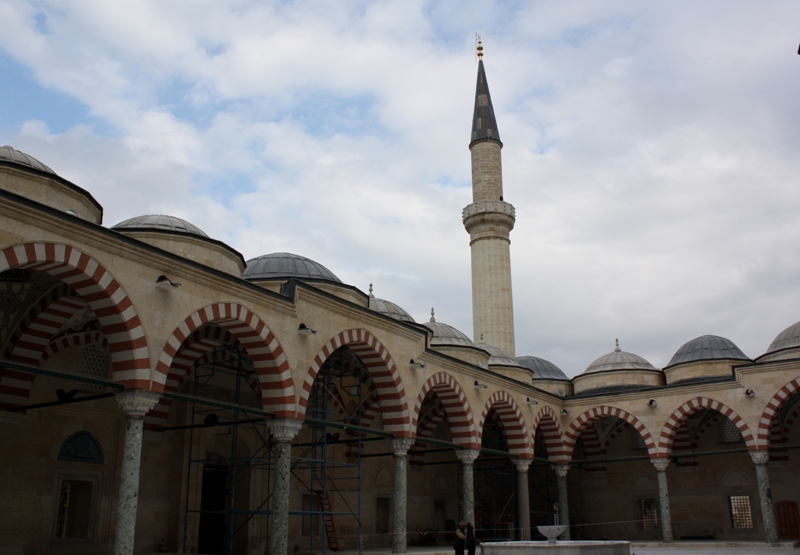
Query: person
469	539
460	538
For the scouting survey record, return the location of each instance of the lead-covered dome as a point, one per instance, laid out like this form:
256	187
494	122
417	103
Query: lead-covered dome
618	360
14	156
542	369
445	334
706	347
159	222
388	308
787	339
284	265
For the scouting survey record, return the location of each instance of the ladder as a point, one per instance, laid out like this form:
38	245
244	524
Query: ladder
330	525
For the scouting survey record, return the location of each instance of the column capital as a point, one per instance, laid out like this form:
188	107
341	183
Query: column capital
467	456
522	465
137	402
760	457
283	430
561	470
401	445
660	464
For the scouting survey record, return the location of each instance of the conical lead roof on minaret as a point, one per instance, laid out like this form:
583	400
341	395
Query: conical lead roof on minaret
484	124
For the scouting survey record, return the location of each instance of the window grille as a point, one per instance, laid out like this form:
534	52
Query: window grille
637	441
648	514
728	432
91	364
741	513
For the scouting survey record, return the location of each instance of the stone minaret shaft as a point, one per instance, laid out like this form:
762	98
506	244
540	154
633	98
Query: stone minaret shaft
489	220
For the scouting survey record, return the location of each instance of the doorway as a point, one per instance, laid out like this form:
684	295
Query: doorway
213	531
788	520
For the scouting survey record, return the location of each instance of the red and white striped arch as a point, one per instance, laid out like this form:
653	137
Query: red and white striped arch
94	284
519	442
266	354
547	422
456	408
771	410
670	429
78	339
579	425
378	362
425	429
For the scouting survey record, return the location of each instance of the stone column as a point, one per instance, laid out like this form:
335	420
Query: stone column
467	458
523	502
135	404
761	458
563	499
282	431
663	499
400	446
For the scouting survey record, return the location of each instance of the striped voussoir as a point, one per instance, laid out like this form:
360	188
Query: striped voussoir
261	346
428	423
376	359
773	406
592	449
30	339
577	427
97	287
668	432
684	444
779	434
456	407
78	339
517	437
547	423
370	407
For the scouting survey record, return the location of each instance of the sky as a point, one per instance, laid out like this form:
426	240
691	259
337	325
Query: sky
650	148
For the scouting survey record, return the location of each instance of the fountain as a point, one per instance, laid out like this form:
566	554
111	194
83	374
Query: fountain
554	547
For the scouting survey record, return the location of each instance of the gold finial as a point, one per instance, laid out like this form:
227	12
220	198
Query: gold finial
480	46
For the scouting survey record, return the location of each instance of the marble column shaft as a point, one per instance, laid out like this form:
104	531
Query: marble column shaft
523	501
467	458
663	500
761	458
400	446
282	432
135	405
563	499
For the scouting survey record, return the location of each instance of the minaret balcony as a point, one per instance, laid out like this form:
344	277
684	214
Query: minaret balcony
489	218
488	207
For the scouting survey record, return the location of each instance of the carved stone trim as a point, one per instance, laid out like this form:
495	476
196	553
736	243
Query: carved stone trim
522	465
285	429
136	403
561	470
660	464
467	456
401	445
759	457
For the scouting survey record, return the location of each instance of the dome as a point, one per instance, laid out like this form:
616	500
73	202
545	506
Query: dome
542	369
498	356
284	265
444	334
618	360
388	308
9	154
787	339
706	347
159	222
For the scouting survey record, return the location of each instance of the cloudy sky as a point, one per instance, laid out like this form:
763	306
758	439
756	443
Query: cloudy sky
651	149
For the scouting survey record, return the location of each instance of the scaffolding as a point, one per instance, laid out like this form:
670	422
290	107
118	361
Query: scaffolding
220	518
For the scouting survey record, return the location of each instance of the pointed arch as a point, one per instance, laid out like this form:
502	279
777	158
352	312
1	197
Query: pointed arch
668	432
517	437
118	318
78	339
551	432
579	424
456	407
771	410
382	370
266	354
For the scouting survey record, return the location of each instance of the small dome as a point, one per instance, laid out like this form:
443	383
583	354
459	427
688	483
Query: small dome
542	369
787	339
706	347
498	356
388	308
618	360
9	154
284	265
160	222
444	334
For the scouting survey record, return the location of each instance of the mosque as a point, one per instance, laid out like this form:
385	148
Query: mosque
158	393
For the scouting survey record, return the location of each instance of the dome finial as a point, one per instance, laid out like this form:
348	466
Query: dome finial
480	46
616	349
433	318
370	290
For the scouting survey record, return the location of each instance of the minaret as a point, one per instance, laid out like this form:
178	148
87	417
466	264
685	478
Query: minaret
489	220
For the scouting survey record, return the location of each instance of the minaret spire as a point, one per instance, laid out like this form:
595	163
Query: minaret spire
489	221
